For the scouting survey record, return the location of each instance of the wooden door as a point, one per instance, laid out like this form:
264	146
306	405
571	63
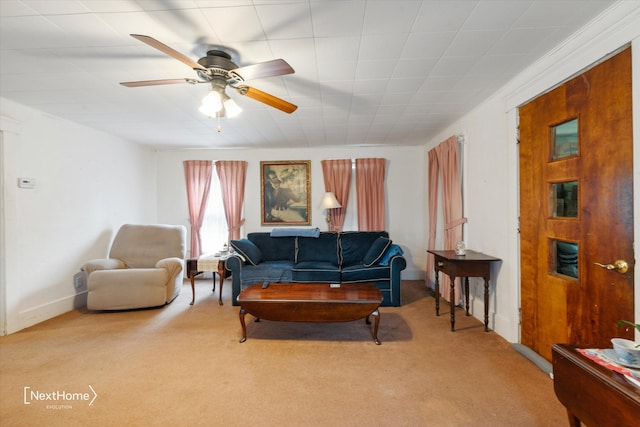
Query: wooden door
576	205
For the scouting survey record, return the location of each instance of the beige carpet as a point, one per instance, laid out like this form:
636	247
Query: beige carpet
182	365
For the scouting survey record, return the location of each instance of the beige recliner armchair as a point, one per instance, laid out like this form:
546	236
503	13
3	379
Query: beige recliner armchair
143	269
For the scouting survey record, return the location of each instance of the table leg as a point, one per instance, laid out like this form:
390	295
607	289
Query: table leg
193	286
221	273
573	420
244	326
466	294
452	304
220	296
437	294
376	322
486	304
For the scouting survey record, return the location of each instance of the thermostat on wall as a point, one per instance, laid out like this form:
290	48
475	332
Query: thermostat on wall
26	183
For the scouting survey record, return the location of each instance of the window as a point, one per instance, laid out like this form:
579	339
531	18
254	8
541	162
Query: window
214	230
564	199
564	258
565	139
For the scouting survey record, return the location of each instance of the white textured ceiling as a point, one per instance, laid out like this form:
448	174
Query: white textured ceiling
367	72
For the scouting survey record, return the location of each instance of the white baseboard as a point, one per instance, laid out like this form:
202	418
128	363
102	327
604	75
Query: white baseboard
499	324
35	315
412	274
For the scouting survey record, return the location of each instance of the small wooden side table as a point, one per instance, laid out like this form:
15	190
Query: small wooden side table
473	264
212	263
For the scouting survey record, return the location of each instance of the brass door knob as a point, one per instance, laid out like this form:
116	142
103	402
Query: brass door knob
618	265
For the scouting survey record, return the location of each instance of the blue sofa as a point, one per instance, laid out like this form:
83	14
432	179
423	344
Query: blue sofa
347	257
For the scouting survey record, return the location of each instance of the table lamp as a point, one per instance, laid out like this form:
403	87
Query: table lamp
327	203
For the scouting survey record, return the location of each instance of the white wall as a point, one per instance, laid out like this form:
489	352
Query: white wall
491	173
405	221
87	184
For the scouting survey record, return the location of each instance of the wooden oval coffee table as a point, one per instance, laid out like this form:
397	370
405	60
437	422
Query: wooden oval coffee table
311	302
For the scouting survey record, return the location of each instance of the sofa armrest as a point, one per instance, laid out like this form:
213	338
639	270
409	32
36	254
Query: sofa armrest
398	263
102	264
234	264
173	266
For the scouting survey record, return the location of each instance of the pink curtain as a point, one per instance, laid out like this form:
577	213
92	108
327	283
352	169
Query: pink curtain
370	194
433	212
337	178
232	175
197	174
447	160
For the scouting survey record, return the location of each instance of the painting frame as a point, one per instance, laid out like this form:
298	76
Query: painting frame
285	192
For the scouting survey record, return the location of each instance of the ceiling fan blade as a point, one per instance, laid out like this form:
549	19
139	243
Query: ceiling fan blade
158	82
169	51
268	99
276	67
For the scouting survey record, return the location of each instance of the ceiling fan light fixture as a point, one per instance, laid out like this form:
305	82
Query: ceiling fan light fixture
211	104
231	109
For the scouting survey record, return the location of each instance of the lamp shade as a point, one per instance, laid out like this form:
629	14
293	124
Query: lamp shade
329	201
231	109
211	104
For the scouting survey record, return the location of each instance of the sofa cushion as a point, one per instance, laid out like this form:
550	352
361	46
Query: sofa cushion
248	250
322	249
393	250
376	251
355	244
360	273
274	248
315	271
267	271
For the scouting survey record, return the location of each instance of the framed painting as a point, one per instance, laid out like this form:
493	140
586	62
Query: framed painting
285	192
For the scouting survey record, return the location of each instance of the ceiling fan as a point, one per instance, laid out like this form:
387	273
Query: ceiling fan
217	69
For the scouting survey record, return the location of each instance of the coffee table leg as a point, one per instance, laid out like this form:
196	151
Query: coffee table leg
375	326
244	326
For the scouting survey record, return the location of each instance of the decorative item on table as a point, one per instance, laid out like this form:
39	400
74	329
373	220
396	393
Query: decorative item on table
626	350
223	252
460	248
621	323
